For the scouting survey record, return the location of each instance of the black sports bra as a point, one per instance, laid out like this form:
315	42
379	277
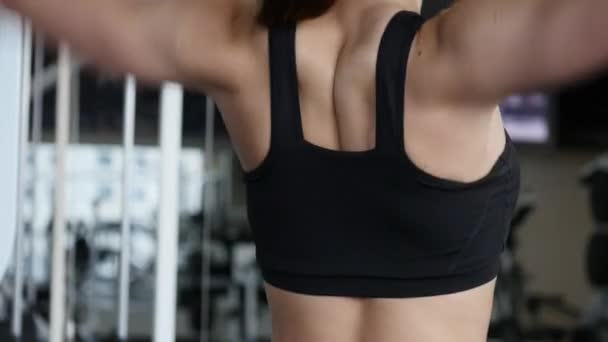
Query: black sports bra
370	224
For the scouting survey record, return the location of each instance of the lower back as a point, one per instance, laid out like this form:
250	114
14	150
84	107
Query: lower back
463	317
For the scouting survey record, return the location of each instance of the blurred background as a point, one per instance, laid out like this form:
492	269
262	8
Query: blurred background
553	284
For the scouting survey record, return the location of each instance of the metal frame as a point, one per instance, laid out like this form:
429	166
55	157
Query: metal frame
37	112
24	115
16	89
11	61
168	220
208	204
47	79
125	256
58	280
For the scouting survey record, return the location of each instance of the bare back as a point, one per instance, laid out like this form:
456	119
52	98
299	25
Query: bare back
336	61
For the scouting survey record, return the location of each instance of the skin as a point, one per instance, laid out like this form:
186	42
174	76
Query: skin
461	65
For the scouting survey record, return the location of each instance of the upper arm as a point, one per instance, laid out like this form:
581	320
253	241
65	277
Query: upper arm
216	43
199	43
483	50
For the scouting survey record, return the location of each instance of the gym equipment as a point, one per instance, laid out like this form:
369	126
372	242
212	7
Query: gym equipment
128	142
72	317
167	236
24	320
509	293
11	66
37	97
24	134
58	279
208	203
512	300
67	315
594	324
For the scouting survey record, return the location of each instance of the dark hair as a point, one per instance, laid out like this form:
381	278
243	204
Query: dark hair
280	12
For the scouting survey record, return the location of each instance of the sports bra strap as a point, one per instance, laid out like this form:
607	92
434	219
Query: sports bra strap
285	117
390	79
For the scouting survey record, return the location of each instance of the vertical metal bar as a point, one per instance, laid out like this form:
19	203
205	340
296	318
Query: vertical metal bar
74	137
38	92
26	77
125	251
37	98
167	236
11	50
75	106
208	199
210	130
58	284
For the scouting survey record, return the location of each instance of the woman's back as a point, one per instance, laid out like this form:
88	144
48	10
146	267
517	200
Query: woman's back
336	58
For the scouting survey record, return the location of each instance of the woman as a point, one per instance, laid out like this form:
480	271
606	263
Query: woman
380	180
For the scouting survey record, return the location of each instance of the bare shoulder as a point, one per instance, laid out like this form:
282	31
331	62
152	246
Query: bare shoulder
426	71
374	18
366	29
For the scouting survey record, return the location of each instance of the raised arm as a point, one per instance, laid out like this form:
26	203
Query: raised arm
189	41
483	50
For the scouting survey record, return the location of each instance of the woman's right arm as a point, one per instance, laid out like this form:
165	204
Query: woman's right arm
484	50
196	42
